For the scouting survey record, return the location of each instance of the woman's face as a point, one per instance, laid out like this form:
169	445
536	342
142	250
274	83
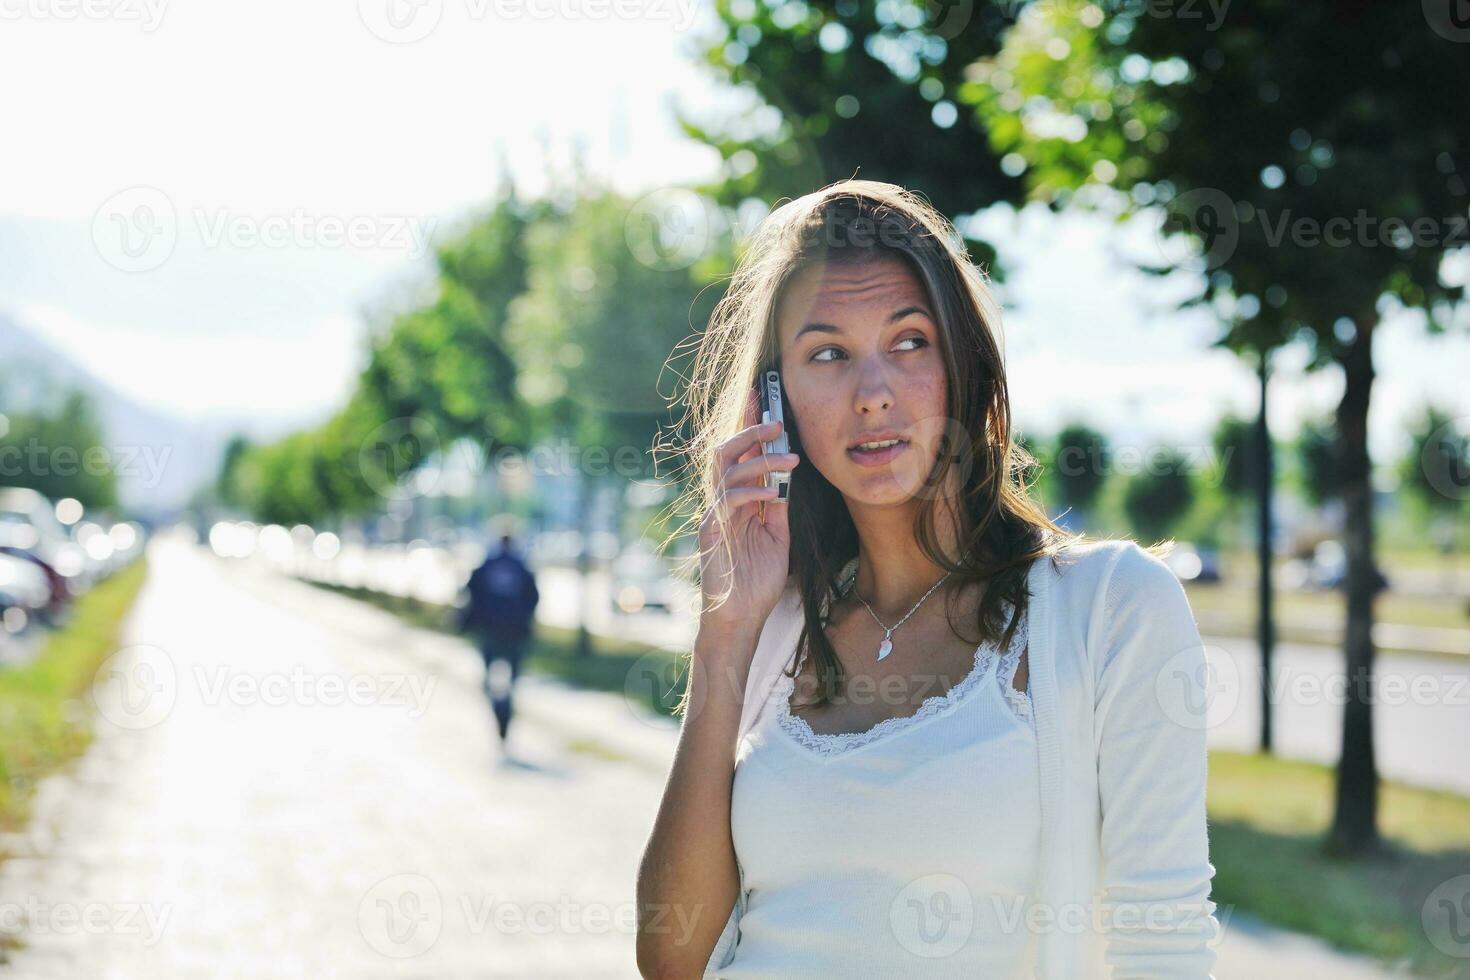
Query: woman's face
861	361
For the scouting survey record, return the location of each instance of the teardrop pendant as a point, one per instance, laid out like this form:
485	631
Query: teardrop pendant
885	648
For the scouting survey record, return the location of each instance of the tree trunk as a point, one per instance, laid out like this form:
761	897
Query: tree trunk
1355	822
585	500
1266	628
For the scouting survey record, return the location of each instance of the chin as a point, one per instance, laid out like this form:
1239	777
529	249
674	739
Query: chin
882	490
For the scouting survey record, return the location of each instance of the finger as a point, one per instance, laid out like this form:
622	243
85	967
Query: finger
745	444
754	470
735	498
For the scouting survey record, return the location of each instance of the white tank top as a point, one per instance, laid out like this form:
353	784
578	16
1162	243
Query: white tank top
910	849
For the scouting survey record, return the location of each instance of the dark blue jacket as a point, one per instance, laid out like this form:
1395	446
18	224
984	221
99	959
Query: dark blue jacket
502	596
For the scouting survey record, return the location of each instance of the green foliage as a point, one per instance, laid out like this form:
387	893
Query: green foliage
59	450
42	717
594	328
1080	466
1156	499
1263	147
1436	470
544	323
1317	457
855	88
1234	442
435	373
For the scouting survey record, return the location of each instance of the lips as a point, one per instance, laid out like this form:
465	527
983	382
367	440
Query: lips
882	435
877	456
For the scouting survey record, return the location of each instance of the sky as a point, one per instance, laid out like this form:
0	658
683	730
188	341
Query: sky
200	201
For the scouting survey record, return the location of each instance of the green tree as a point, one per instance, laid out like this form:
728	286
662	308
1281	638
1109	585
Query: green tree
1080	467
438	370
1436	474
59	450
1309	154
592	333
227	485
1235	441
1317	458
1158	498
834	89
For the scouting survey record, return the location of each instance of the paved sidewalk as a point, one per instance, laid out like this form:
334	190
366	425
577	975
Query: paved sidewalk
239	835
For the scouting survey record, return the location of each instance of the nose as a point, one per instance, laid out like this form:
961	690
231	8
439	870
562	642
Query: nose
874	393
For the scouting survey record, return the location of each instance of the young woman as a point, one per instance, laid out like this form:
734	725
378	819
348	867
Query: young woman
926	732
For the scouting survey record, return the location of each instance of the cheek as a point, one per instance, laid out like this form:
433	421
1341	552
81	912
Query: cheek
926	393
818	422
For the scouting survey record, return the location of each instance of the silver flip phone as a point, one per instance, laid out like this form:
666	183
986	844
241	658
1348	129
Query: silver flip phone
769	384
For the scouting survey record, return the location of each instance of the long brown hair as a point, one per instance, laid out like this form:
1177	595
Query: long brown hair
1001	529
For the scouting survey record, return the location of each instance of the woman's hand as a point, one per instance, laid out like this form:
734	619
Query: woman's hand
744	538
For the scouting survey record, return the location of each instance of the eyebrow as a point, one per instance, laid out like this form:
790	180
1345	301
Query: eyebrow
829	328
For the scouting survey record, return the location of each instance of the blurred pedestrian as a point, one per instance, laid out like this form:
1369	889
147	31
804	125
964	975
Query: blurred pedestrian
498	614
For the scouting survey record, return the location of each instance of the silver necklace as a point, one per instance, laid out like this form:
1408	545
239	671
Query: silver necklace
886	647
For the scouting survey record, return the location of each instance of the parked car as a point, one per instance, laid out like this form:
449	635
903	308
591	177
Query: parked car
55	581
26	593
29	520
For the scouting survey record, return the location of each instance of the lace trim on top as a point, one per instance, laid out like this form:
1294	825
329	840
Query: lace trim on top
985	655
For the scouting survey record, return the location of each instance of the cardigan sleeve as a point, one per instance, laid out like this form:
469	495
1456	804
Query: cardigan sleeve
1157	917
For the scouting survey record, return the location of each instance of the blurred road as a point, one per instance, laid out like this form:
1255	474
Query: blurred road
289	783
251	816
1421	715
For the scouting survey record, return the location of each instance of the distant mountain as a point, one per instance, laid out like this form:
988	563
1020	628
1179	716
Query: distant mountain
160	460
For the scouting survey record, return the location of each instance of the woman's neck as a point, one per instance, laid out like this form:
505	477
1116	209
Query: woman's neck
893	570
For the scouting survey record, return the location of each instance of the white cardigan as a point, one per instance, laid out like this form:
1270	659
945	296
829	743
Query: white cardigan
1117	680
